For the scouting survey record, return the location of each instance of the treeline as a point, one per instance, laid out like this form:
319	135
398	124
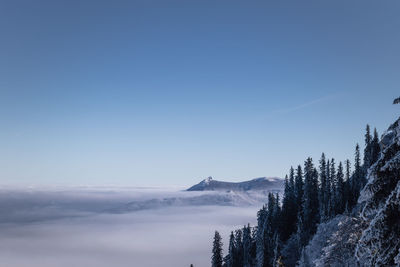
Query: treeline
312	194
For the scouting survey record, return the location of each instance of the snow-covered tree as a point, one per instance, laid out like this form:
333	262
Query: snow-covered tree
380	242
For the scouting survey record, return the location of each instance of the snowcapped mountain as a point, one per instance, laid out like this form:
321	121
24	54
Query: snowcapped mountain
257	184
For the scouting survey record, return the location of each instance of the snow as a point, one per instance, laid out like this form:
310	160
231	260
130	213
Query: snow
334	243
379	243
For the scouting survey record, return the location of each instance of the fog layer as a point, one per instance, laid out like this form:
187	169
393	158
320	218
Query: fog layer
100	228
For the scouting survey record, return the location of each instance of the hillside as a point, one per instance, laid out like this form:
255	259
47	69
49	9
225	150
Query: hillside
346	217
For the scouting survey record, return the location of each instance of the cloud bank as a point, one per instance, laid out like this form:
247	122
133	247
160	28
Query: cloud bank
67	228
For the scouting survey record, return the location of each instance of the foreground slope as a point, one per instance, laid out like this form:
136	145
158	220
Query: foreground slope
370	235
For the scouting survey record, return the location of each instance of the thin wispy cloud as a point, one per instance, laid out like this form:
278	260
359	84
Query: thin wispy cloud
305	105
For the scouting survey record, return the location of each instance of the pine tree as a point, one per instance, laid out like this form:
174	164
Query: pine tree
298	188
253	248
322	192
238	258
247	246
217	258
260	253
340	190
328	190
286	210
357	179
368	148
230	259
269	230
332	188
375	148
289	210
347	187
292	204
310	216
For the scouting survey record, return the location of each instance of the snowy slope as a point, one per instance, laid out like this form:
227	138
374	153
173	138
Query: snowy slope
370	236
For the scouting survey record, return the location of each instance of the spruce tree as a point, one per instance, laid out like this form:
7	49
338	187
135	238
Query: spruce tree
292	204
340	190
217	258
322	192
332	188
285	220
289	210
230	261
347	187
328	190
310	203
269	230
298	188
253	248
238	258
260	253
375	148
368	148
247	246
357	179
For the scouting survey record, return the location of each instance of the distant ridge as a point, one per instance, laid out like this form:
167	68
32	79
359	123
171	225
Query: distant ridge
262	183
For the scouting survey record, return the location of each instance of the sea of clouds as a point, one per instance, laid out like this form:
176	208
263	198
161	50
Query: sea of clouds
117	227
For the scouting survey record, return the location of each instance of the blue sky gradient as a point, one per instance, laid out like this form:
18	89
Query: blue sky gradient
169	92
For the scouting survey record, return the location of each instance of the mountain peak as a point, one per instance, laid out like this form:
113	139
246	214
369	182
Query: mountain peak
262	183
208	180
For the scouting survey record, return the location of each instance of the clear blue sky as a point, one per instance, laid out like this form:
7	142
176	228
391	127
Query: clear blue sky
158	92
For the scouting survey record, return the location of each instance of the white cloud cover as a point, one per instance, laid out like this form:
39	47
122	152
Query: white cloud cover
68	228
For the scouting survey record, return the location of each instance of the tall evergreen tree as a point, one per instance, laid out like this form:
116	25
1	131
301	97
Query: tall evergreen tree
269	230
298	189
332	189
322	192
347	187
357	179
340	190
238	255
375	148
253	248
230	259
217	258
260	253
289	210
310	203
328	189
368	148
285	209
247	246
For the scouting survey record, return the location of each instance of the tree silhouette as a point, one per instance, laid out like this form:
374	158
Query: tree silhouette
396	101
